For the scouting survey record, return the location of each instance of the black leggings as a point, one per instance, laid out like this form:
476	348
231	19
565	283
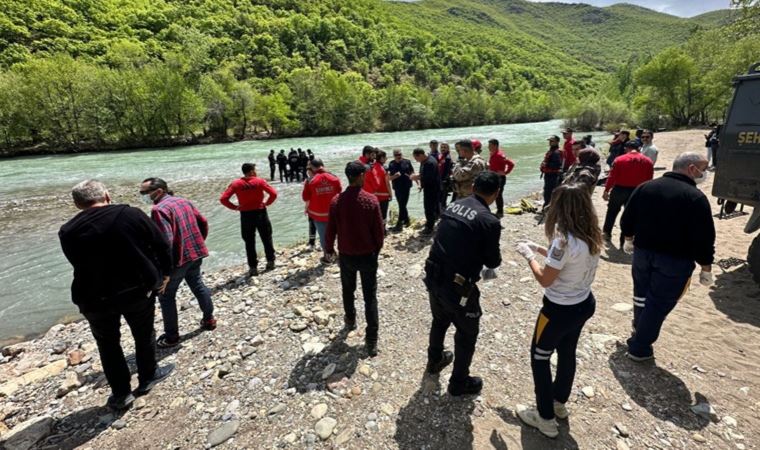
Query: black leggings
558	328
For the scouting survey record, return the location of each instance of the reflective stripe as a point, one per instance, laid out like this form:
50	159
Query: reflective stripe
641	299
318	214
541	358
540	325
545	352
640	305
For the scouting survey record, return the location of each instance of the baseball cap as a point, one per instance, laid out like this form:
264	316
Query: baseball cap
354	169
553	137
476	144
567	130
632	143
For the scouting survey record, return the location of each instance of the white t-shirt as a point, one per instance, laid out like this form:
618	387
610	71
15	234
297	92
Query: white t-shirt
650	151
577	269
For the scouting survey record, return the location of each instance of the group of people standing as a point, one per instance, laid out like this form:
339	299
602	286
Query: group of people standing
292	167
123	259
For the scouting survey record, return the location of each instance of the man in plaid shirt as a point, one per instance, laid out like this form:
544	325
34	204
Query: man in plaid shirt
185	230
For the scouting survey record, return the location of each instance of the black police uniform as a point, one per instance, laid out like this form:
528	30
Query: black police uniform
467	239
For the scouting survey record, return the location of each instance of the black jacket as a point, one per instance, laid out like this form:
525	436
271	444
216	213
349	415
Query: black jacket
118	254
430	179
670	215
467	238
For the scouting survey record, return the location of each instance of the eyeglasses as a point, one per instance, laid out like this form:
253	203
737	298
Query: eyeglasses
646	136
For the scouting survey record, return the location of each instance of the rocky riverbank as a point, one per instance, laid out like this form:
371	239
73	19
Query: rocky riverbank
279	373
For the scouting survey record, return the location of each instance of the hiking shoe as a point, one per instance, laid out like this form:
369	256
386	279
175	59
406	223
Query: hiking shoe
270	265
371	347
165	341
208	324
607	238
253	272
397	228
560	410
158	376
531	417
349	323
427	232
437	367
638	359
471	386
121	402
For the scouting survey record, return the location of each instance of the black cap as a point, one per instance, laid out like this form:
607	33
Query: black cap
553	137
633	143
434	141
354	169
567	130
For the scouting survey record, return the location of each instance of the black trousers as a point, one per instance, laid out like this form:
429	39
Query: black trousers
366	266
402	197
271	171
283	173
500	197
384	204
432	203
250	223
558	328
105	327
312	232
551	181
618	198
446	309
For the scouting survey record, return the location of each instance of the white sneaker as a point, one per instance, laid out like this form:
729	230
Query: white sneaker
531	417
560	410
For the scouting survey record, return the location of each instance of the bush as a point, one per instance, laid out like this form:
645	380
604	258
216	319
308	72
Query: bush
595	113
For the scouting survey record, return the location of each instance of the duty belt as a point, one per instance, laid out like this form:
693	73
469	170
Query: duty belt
462	285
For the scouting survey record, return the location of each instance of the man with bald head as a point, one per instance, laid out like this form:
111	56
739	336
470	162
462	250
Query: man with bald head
668	226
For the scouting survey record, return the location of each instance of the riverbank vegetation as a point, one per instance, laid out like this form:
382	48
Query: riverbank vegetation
83	74
684	85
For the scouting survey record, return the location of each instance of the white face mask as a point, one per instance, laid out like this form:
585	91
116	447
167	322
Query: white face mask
702	178
146	199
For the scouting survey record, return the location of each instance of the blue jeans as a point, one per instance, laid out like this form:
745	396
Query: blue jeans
659	281
321	231
191	273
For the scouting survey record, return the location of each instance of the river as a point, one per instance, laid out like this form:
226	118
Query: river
35	202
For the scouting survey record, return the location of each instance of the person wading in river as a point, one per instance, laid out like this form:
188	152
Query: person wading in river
250	191
186	230
121	260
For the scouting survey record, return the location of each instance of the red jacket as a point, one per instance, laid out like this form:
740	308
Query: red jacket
630	170
250	194
356	221
319	192
567	154
500	163
382	192
370	180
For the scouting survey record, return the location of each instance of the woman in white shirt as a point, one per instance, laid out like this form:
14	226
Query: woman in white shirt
572	227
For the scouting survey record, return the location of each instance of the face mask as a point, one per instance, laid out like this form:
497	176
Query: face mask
146	199
702	178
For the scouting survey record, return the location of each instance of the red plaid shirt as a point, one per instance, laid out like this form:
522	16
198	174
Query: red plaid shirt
184	227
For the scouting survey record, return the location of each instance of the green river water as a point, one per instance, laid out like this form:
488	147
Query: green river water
35	202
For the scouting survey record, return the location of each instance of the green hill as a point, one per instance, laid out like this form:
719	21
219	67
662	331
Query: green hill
302	67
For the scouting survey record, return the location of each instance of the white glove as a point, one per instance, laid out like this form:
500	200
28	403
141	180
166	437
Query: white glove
488	274
706	278
525	251
532	245
628	247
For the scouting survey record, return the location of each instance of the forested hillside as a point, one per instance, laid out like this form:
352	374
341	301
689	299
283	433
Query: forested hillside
110	73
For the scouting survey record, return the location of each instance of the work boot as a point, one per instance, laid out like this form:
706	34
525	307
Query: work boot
121	402
253	272
349	323
436	367
270	265
371	347
547	427
470	386
399	226
159	375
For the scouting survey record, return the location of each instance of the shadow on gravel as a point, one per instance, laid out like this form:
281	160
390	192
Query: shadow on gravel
305	276
414	244
615	255
532	439
736	295
436	422
661	393
334	363
79	427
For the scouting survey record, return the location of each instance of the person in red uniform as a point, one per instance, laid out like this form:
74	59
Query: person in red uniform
318	192
502	166
383	190
477	147
356	222
628	172
250	191
568	157
369	153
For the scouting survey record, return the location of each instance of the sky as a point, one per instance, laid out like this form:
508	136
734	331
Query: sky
683	8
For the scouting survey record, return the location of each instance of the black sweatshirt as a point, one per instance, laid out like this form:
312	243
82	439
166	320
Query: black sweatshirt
119	256
670	215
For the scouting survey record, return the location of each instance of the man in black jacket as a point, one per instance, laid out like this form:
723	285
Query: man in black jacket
667	226
120	261
467	239
272	163
282	165
430	183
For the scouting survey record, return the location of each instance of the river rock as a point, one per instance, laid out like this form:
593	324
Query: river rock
59	347
70	383
75	357
588	391
329	370
698	438
319	411
622	429
706	411
298	325
344	436
325	427
622	307
50	370
26	434
223	432
322	318
730	421
313	348
257	341
118	424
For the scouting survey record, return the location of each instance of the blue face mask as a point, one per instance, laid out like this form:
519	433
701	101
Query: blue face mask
701	178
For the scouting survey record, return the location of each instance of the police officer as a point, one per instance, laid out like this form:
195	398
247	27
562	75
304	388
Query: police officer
467	239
